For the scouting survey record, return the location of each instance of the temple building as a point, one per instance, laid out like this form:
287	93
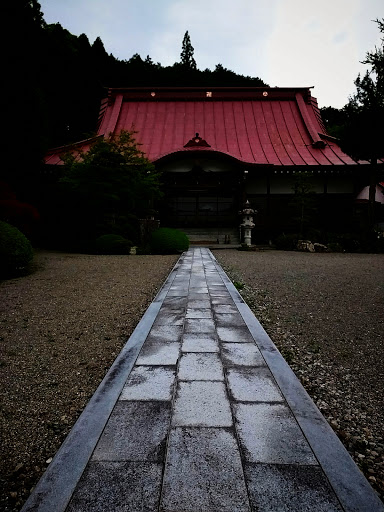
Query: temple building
219	147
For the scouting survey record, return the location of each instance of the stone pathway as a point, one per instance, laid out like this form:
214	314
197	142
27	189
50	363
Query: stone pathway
200	413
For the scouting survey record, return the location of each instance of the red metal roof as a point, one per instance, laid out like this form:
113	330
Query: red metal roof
270	126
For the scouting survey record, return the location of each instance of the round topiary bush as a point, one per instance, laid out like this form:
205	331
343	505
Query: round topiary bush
168	241
112	244
15	249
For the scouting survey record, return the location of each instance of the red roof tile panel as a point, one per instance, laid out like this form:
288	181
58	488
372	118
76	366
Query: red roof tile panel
264	126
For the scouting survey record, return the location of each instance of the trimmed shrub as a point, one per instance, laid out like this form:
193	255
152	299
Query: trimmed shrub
15	249
168	241
112	244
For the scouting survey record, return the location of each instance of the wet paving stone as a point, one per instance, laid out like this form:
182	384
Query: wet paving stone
169	318
149	383
175	302
222	300
289	488
253	385
269	433
199	303
241	354
198	313
198	325
229	319
234	334
159	354
198	289
118	487
203	472
165	333
136	431
225	308
200	366
198	296
204	342
200	403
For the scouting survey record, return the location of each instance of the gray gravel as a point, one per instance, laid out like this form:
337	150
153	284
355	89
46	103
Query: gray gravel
325	314
61	328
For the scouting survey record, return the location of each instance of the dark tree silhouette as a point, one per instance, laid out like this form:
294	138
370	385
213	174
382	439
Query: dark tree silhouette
186	57
362	136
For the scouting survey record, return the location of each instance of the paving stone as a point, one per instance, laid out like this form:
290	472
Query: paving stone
229	319
222	300
241	354
253	385
198	289
198	303
198	296
118	487
198	325
175	302
157	353
198	313
220	293
203	472
269	433
204	342
200	403
289	488
177	293
149	383
169	318
200	366
136	431
225	308
165	333
235	334
172	310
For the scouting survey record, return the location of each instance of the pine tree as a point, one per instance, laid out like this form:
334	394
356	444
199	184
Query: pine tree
186	56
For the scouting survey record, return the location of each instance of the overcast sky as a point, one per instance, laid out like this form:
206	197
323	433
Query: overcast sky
284	42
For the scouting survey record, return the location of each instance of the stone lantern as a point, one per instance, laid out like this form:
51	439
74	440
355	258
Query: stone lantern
248	223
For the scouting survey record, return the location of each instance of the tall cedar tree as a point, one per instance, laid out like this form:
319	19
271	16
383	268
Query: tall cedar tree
186	56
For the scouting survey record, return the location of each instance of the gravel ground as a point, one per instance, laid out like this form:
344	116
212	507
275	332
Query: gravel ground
61	328
325	314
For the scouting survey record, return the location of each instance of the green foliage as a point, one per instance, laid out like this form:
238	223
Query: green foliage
286	242
362	137
168	241
239	286
15	249
112	244
107	188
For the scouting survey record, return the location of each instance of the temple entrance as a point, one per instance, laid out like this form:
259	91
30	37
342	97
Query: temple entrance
200	209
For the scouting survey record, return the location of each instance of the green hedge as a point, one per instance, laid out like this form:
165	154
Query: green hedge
15	249
168	241
111	244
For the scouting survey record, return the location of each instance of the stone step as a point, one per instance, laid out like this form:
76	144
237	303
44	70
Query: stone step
212	235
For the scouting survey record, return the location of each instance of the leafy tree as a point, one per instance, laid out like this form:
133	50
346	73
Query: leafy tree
186	57
362	136
106	189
